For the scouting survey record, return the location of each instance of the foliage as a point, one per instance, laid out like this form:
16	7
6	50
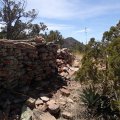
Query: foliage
78	48
113	33
114	56
101	66
74	45
54	36
90	96
90	62
99	105
35	29
16	21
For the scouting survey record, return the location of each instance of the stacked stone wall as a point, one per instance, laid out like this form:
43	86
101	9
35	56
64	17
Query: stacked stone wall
21	62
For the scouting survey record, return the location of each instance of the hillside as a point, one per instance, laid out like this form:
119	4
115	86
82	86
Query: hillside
73	44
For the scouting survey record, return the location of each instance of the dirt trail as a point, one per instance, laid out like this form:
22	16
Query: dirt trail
74	105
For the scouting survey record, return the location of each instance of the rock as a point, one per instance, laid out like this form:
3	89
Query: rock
65	55
65	87
51	102
65	92
70	100
37	115
39	104
42	107
39	39
76	64
64	74
44	98
74	69
47	116
62	103
26	113
25	60
65	69
62	119
67	115
31	102
53	108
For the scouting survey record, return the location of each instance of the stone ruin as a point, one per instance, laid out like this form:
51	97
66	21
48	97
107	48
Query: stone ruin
21	62
30	79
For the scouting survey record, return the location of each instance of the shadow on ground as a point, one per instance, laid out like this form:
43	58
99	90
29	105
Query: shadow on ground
12	101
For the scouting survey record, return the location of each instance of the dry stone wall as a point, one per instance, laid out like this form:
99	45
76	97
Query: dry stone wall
24	61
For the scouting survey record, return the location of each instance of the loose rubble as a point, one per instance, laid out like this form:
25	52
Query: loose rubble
64	61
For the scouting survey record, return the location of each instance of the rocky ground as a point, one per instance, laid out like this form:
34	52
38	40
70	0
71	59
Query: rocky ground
56	98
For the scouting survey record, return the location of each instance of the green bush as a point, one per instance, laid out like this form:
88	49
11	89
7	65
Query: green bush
100	105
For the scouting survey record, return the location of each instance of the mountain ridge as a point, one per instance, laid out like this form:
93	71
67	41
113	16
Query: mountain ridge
72	43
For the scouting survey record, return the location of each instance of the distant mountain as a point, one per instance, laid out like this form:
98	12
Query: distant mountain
72	44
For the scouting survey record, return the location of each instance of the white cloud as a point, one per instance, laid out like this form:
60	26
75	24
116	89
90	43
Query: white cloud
82	31
52	26
53	8
66	9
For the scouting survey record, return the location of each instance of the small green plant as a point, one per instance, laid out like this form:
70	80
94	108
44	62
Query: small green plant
100	105
90	97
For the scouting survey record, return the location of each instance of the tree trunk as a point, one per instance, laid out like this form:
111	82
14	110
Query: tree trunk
9	34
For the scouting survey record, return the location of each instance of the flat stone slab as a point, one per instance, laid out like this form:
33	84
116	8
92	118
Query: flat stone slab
44	98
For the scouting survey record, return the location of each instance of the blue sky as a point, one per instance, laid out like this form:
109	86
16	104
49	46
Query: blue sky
71	17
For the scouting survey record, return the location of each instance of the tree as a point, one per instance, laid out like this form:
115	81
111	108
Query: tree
91	60
114	32
114	62
12	14
54	36
35	29
101	64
